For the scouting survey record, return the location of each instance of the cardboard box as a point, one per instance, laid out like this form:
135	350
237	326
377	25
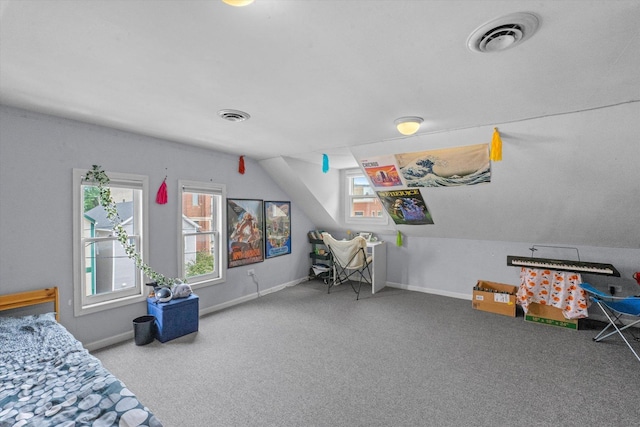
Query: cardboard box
495	298
548	315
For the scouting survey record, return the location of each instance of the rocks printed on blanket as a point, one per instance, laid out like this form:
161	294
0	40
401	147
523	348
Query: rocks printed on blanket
48	379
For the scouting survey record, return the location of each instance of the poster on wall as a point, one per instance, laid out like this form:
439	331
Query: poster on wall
277	217
447	167
382	172
245	232
406	206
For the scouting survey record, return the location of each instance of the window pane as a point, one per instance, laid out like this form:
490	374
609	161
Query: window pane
199	254
96	223
107	268
360	187
361	203
200	233
366	207
197	216
104	276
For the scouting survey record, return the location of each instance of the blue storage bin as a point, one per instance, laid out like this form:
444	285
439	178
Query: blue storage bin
175	318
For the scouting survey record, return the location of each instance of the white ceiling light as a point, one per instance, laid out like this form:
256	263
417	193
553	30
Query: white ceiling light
408	125
503	33
238	3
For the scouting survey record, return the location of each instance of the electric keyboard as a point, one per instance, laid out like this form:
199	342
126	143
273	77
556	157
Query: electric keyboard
564	265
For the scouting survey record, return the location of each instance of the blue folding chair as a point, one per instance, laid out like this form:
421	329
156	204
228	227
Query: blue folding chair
615	308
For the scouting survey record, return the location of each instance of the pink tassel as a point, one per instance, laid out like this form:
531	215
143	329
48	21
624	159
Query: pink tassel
161	197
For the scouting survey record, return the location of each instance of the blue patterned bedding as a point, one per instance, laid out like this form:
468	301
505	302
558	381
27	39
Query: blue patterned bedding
48	379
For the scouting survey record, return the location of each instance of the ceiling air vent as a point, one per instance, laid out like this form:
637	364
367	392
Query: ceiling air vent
503	33
234	115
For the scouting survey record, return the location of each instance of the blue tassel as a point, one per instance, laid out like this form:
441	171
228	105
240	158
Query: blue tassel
325	163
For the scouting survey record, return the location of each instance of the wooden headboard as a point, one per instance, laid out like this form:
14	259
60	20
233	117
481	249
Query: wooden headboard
29	298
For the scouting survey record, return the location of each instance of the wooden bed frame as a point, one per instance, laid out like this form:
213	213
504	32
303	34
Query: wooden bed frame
29	298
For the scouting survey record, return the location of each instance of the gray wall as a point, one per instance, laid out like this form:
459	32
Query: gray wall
565	180
37	155
451	267
569	179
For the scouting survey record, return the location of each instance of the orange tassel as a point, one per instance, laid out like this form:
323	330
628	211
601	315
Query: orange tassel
496	146
241	165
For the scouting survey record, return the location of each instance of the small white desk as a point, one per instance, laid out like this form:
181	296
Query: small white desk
378	251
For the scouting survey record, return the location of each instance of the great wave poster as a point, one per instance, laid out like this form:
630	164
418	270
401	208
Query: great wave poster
446	167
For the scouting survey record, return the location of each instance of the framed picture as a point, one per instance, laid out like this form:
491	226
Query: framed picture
366	234
277	219
245	232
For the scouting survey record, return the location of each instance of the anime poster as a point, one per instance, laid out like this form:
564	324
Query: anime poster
382	172
245	232
446	167
406	206
277	217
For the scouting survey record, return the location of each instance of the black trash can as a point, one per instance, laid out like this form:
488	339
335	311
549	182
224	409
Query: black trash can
144	329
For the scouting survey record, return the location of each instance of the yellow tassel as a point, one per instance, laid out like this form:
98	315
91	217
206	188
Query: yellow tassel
496	146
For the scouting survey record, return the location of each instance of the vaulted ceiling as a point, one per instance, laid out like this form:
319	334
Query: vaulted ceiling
315	76
331	76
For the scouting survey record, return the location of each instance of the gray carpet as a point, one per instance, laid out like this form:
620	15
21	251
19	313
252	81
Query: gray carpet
302	357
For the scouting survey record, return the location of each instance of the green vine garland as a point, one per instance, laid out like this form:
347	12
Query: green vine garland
98	177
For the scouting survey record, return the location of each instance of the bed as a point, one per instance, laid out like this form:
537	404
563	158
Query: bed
47	378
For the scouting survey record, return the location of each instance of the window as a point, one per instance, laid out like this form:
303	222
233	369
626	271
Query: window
104	276
361	202
201	221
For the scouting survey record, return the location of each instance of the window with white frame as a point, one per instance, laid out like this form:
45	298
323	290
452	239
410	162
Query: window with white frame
202	220
104	276
361	202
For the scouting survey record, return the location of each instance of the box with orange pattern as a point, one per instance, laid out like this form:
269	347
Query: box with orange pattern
495	297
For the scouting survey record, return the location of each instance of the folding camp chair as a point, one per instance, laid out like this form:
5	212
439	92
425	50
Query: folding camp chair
350	261
614	308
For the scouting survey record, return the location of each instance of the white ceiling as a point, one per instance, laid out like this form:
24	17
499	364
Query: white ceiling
316	76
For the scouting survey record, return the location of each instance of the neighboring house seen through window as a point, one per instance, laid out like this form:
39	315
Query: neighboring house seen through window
104	276
362	204
201	222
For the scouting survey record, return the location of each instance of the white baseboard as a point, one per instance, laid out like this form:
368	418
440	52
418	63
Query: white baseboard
129	335
594	314
249	297
430	291
126	336
116	339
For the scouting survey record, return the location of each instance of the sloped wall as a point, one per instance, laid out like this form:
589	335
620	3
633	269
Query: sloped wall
315	192
568	179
